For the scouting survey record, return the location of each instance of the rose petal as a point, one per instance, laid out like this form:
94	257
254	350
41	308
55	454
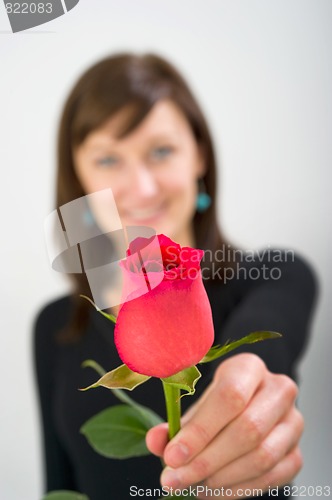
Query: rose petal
166	330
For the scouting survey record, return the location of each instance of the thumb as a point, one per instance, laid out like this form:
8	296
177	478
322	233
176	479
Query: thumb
157	439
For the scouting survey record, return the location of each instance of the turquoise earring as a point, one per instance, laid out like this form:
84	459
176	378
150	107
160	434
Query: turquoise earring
88	218
203	200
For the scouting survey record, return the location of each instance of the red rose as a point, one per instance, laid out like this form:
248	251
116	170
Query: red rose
166	324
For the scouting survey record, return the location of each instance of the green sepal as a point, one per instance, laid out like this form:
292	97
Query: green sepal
121	377
64	495
217	351
119	431
111	317
185	380
118	393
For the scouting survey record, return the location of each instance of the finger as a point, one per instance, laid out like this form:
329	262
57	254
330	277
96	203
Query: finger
157	439
235	382
242	435
283	473
268	407
241	360
283	438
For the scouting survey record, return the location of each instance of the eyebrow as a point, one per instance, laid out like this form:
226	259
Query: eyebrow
97	144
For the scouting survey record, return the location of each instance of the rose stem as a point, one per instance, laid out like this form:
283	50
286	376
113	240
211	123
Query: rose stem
173	408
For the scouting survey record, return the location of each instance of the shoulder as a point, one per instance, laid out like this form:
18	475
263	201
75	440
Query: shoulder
272	259
55	312
275	269
271	268
51	318
286	264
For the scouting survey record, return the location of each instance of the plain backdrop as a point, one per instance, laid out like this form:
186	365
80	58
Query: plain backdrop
262	72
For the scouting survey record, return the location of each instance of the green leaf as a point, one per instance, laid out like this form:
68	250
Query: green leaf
118	393
217	351
185	380
121	377
111	317
64	495
119	431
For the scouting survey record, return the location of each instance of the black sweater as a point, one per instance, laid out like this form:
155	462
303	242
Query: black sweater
242	305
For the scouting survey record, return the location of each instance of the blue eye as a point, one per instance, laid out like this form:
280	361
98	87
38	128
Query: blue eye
162	152
107	161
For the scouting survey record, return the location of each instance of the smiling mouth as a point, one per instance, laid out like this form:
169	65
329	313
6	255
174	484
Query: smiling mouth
145	214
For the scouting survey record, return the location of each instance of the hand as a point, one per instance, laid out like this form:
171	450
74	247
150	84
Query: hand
243	432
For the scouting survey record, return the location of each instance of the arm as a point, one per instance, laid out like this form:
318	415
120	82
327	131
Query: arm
244	430
284	305
58	473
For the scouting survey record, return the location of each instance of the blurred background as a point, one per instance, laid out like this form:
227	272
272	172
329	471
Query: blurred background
262	71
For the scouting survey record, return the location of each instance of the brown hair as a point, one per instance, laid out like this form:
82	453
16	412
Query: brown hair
109	86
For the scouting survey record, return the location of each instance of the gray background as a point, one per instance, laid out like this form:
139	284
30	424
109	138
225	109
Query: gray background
262	70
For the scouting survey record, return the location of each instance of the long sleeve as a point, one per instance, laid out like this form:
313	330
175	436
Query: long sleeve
58	473
280	300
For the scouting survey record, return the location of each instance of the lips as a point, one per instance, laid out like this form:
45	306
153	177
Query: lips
145	214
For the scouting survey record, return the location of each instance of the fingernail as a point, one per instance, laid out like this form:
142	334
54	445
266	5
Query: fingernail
178	454
170	478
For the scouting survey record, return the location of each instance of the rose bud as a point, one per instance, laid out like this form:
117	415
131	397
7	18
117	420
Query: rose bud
165	324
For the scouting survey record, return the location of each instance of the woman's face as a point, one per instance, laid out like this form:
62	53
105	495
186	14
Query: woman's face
152	172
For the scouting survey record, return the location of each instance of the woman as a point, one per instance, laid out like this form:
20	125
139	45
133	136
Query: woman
132	124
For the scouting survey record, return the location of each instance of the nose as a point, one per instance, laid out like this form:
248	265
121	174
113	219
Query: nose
143	183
